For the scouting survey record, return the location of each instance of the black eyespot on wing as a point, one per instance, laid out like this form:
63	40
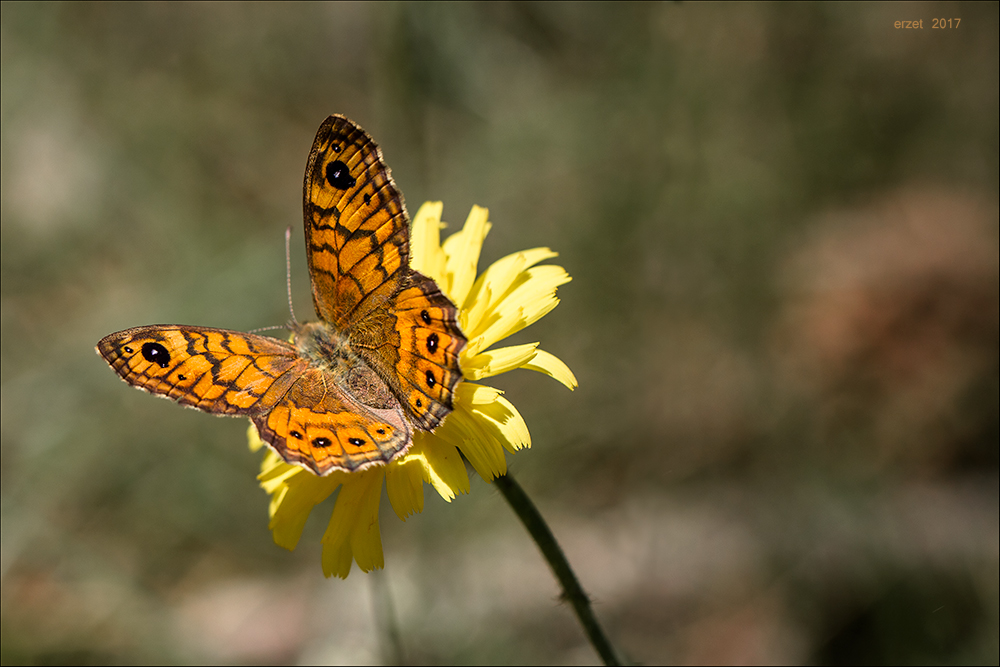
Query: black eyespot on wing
432	343
357	442
339	176
430	379
336	148
368	198
321	442
419	403
155	353
128	349
295	434
425	316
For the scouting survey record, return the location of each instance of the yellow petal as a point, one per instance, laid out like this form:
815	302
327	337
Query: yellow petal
504	422
470	394
472	318
510	323
442	464
536	283
336	559
366	540
354	524
500	360
502	273
426	254
490	295
484	453
462	250
290	507
500	326
530	298
475	437
274	472
404	482
553	366
253	438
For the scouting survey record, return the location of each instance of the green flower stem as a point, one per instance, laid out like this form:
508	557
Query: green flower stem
546	541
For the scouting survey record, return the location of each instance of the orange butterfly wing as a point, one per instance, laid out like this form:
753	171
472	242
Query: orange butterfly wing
320	420
419	347
356	226
218	371
323	427
357	238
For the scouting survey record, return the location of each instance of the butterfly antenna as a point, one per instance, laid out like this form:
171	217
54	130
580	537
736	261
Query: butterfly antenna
288	272
277	326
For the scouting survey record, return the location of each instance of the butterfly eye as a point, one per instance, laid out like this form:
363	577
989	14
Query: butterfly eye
155	353
432	343
339	175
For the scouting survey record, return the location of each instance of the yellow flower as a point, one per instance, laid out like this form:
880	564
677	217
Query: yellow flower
508	296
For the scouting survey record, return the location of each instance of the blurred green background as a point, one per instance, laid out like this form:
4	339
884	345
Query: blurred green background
782	225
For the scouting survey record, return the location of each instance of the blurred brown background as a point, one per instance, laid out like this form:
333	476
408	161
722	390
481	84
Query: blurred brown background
782	224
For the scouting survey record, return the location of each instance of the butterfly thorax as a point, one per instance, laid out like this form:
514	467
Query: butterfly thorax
321	344
329	350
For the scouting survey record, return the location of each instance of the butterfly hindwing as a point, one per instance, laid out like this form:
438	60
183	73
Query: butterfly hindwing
419	347
322	427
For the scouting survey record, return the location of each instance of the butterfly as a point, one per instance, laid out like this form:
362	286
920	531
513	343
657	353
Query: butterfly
349	391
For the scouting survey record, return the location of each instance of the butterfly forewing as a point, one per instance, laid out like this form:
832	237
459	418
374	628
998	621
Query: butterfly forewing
357	238
218	371
357	230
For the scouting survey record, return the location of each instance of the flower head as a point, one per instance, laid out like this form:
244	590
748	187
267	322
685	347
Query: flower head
511	294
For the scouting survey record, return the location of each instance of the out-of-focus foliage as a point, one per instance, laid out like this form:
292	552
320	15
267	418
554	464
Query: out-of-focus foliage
782	224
